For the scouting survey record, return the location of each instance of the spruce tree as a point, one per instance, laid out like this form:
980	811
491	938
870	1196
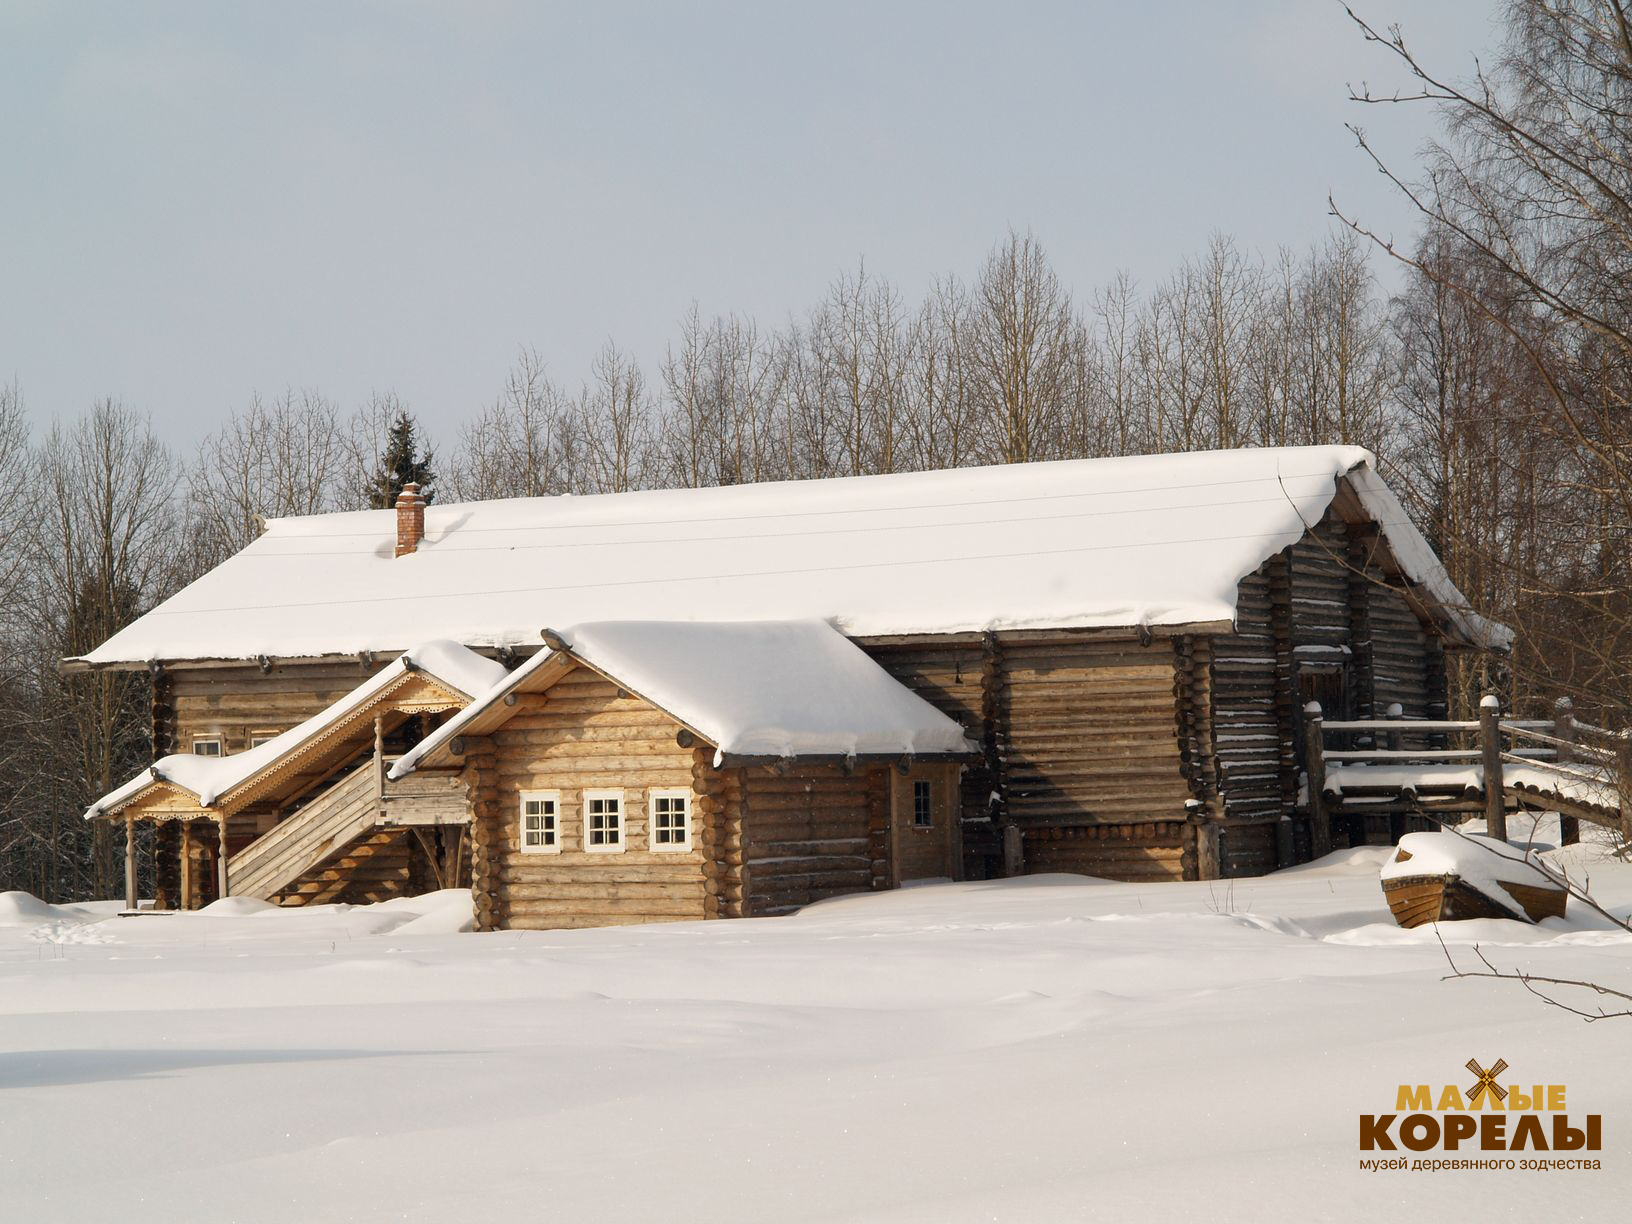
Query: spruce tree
403	462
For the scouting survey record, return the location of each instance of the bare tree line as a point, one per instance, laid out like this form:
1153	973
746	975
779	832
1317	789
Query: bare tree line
1008	368
1516	335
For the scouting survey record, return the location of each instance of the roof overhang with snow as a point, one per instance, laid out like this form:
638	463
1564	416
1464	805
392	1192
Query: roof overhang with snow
432	677
754	690
1150	541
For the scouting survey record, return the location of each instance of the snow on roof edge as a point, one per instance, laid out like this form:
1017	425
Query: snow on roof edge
1419	561
933	729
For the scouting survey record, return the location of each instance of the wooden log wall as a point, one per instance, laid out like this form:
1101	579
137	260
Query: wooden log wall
1078	729
1254	696
1321	606
236	701
810	834
961	676
721	835
1158	850
1322	632
163	713
1093	738
1409	663
481	778
585	734
1248	693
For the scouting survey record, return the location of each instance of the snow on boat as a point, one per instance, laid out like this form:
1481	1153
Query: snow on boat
1449	877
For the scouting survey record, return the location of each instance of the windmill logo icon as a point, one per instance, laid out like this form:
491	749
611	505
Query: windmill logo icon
1487	1081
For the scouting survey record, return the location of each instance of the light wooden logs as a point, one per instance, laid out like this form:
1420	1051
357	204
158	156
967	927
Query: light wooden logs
130	863
221	857
481	785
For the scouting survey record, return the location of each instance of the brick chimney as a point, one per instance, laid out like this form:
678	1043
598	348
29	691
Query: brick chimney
410	519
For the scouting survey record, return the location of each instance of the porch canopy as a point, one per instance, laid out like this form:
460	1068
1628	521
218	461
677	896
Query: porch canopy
754	690
290	767
434	676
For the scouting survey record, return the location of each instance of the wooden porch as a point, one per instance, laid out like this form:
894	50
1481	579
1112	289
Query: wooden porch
1392	776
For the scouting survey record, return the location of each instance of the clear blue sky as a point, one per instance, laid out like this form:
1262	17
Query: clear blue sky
202	200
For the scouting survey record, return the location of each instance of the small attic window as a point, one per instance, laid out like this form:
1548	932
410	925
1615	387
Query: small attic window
257	738
207	745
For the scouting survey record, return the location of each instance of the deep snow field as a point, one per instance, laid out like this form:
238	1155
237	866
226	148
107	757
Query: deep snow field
1050	1048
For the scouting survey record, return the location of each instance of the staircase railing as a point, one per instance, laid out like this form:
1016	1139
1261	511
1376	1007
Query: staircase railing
294	846
1591	766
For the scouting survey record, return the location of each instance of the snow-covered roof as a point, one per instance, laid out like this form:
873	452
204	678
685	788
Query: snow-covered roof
1150	540
209	778
751	688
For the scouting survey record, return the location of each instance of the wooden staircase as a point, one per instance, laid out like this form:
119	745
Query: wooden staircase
290	849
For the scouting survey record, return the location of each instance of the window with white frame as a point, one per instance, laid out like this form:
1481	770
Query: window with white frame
923	813
668	817
540	822
257	738
603	821
206	745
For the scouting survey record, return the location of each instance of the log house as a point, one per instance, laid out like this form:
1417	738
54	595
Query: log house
1124	647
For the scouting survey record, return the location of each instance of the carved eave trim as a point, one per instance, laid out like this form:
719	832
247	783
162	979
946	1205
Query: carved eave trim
416	692
161	800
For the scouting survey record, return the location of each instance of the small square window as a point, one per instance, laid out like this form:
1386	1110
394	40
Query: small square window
540	822
923	814
669	819
257	738
603	821
207	745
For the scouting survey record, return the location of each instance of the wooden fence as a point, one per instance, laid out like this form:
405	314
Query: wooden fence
1400	767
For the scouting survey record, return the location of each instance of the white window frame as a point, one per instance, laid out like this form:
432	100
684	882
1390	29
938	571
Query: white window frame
219	742
614	792
539	796
668	792
257	738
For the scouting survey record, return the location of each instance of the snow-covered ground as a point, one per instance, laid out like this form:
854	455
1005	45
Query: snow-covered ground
1050	1048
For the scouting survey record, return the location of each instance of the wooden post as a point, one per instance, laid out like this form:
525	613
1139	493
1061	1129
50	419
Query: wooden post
1623	783
221	858
1014	853
1397	821
186	899
1569	828
130	862
1490	747
379	760
1314	754
1396	741
1207	854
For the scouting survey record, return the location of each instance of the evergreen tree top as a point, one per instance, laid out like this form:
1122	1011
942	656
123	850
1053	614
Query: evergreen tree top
403	462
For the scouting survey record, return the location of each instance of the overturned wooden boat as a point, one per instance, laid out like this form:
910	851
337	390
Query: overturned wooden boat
1476	891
